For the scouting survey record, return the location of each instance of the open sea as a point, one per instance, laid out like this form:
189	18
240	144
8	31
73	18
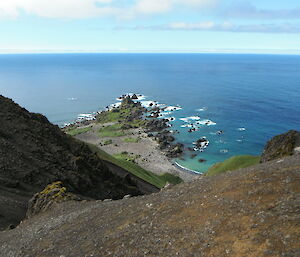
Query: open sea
249	98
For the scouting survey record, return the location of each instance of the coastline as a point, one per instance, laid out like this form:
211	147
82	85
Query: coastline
150	156
186	169
149	142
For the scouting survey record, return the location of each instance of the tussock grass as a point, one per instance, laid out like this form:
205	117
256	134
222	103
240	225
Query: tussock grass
108	142
77	131
108	116
131	140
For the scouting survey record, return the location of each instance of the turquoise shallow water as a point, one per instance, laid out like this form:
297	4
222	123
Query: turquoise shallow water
249	97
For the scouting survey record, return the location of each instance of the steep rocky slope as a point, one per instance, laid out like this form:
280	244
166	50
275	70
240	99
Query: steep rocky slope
249	212
34	153
282	145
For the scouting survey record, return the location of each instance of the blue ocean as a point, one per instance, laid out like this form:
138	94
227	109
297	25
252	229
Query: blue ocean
249	98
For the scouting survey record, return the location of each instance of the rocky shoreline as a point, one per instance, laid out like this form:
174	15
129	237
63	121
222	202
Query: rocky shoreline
142	125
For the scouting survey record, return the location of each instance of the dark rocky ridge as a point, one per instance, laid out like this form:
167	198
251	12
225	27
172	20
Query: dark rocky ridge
251	212
35	153
281	146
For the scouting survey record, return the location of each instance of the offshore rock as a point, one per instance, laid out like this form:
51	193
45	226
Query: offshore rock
134	97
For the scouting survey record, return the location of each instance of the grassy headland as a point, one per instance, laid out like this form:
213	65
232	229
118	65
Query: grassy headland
233	163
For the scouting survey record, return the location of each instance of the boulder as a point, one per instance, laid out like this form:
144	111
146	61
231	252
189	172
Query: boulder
175	151
53	193
201	144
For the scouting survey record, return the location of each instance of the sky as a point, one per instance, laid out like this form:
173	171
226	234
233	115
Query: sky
226	26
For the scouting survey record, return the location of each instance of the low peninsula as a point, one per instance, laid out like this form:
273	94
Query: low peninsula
131	132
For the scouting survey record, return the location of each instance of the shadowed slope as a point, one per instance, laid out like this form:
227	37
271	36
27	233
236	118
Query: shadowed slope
35	153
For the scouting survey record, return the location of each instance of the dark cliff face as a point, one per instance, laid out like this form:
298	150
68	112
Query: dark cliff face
281	146
34	153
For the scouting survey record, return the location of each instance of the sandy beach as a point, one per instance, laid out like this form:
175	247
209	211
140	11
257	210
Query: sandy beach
150	156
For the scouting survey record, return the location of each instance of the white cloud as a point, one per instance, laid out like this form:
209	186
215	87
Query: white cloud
224	26
160	6
246	10
191	26
56	8
93	8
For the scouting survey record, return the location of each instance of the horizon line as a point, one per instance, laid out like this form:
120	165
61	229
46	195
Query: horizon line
206	51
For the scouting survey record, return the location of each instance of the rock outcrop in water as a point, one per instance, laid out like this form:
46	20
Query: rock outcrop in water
35	153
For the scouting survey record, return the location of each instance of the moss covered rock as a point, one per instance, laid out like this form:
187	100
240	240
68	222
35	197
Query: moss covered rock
53	193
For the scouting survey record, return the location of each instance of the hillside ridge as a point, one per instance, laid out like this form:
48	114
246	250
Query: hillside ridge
35	153
249	212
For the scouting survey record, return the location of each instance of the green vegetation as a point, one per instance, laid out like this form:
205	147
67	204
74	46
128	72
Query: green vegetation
57	186
107	142
77	131
121	114
126	156
115	115
131	139
109	116
154	179
168	177
233	163
137	123
111	131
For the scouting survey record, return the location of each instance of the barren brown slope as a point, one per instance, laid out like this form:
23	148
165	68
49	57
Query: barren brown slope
250	212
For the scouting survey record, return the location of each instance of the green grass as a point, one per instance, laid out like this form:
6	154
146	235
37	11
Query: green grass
233	163
137	123
126	156
113	115
131	139
107	142
154	179
108	116
171	178
119	115
111	131
77	131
